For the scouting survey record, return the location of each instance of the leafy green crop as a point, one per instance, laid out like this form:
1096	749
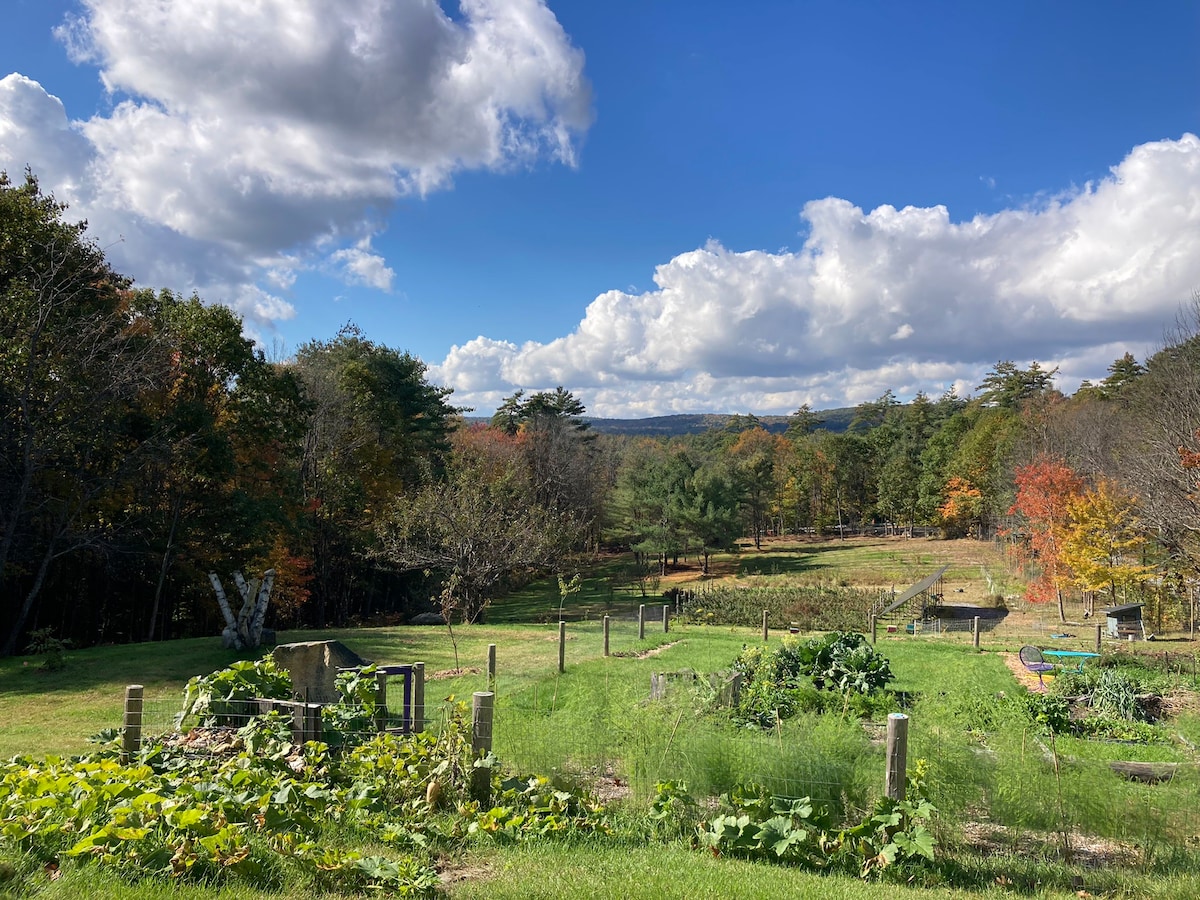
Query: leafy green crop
263	811
222	697
780	683
761	826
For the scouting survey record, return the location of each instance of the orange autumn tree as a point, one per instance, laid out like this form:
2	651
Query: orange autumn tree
1045	490
963	506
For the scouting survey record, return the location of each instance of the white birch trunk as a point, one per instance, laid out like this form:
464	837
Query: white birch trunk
221	599
244	630
260	607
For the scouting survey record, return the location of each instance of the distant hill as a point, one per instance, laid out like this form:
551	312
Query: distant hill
836	420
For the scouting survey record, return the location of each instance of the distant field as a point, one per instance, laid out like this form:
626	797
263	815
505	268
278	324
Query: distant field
867	563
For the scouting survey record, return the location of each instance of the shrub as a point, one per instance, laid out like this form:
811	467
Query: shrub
1048	711
43	641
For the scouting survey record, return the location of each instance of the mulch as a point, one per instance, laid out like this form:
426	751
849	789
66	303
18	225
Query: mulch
1027	679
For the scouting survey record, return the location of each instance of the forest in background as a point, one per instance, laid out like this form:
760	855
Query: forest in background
145	442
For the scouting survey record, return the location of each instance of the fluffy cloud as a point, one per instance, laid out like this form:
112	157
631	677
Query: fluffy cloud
251	138
359	265
902	299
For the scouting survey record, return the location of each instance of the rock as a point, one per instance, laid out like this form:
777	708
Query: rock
313	666
427	618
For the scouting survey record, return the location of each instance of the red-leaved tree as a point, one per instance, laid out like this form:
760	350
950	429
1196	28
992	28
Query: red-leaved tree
1045	488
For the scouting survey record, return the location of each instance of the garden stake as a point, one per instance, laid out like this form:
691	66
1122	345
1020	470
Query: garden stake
671	739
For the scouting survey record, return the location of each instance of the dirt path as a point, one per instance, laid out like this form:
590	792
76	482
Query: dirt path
1027	679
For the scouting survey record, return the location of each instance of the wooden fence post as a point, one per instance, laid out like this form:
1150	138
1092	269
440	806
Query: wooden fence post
312	722
562	647
873	629
482	709
666	618
658	686
131	734
606	635
1098	633
765	633
642	622
897	755
418	699
298	733
491	676
975	631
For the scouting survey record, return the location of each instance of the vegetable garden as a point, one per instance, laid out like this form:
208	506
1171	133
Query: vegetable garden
791	773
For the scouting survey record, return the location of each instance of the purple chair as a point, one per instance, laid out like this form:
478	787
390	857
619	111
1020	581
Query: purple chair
1032	659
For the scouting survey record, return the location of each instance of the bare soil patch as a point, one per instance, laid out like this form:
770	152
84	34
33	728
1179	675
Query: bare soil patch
455	870
646	654
453	673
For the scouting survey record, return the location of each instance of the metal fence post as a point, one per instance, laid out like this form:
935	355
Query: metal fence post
381	708
562	647
418	698
299	735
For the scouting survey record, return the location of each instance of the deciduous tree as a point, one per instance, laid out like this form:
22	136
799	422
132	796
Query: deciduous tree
1045	490
1103	540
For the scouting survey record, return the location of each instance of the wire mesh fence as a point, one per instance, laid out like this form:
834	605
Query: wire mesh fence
1022	790
670	744
1005	787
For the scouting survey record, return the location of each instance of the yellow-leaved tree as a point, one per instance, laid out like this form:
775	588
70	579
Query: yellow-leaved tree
1102	543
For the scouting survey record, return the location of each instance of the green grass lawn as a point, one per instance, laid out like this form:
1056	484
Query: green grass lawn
987	763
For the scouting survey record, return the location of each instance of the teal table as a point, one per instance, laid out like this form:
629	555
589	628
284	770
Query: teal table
1079	657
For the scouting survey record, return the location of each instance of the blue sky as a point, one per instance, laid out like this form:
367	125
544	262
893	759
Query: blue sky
665	207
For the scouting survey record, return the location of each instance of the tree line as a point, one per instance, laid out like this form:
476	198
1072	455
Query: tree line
145	442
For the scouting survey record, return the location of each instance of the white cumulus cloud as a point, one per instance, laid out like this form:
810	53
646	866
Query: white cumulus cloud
249	139
892	298
359	265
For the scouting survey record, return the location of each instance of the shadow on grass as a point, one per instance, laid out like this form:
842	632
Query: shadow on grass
608	589
150	664
769	563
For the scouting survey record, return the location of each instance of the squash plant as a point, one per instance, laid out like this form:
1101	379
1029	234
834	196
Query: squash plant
758	825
